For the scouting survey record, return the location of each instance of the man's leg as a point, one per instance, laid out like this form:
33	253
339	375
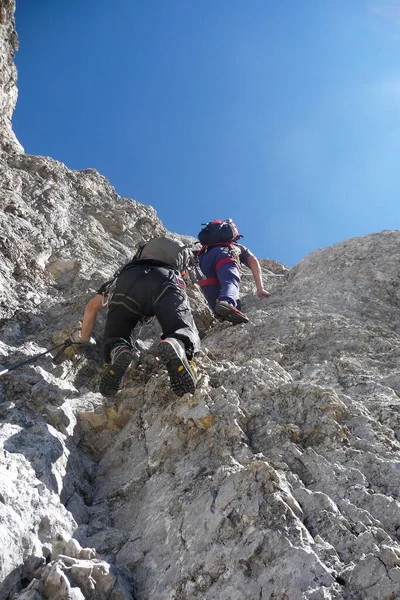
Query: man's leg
218	264
117	350
229	279
123	315
124	311
181	340
226	306
118	329
211	293
207	263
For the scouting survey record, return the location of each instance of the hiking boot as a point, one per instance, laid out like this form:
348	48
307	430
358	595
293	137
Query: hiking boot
182	372
121	358
229	313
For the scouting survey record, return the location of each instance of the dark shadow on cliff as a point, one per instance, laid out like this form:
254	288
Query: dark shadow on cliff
11	584
40	448
87	367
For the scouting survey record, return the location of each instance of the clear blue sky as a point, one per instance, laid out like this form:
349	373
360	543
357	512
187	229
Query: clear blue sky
282	115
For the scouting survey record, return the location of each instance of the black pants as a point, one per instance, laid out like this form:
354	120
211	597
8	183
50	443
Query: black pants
148	291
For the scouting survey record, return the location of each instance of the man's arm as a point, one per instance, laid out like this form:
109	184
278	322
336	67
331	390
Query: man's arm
93	307
256	270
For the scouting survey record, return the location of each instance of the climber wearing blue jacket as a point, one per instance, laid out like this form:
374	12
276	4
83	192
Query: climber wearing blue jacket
219	262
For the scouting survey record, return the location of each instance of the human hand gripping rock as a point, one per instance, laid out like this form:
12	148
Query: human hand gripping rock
79	347
263	293
84	344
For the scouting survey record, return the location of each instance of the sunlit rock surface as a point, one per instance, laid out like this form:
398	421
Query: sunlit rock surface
279	479
8	77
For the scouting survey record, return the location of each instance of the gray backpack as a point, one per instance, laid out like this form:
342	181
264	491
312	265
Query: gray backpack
171	252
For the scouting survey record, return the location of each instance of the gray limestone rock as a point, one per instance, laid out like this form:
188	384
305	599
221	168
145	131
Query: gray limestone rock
279	478
8	77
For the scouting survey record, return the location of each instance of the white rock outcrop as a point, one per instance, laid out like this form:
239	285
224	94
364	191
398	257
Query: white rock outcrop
278	479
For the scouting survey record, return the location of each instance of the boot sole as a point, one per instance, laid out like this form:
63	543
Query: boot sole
112	377
225	313
180	374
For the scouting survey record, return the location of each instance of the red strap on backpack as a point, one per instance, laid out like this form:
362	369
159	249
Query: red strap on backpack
224	261
207	246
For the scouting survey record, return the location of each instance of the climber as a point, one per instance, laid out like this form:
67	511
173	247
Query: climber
150	284
218	267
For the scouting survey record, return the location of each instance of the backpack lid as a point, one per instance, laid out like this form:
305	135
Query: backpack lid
173	253
218	231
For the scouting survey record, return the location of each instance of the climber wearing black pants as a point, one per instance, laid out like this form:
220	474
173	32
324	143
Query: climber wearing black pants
150	285
145	292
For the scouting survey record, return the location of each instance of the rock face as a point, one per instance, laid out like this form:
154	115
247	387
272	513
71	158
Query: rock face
8	76
279	479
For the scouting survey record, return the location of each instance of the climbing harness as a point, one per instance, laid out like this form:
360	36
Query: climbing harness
61	347
108	292
233	256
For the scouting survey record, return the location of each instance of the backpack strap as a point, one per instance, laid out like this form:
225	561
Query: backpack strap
233	257
208	281
206	247
234	254
224	261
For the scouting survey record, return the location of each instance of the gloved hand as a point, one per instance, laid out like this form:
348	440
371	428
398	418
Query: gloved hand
85	343
79	348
